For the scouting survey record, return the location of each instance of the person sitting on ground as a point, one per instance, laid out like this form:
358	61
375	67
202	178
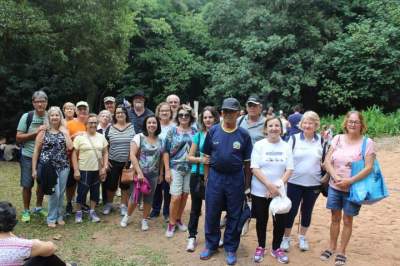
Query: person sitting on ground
19	251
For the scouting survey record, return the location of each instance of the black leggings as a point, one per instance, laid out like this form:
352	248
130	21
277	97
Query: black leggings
260	211
52	260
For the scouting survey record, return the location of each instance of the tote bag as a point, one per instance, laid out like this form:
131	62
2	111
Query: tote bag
370	189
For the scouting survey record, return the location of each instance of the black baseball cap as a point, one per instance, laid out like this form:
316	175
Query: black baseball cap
139	93
231	104
253	99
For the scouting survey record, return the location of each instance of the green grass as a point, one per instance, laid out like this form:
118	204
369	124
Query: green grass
379	124
80	243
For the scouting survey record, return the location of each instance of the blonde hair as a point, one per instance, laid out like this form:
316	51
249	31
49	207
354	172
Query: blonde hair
360	116
55	109
311	115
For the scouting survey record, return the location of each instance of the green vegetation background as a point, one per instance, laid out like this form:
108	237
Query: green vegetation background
330	56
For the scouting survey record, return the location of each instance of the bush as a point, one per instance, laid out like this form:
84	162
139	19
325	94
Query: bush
379	123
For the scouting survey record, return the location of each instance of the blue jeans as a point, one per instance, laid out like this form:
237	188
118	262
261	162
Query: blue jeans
57	198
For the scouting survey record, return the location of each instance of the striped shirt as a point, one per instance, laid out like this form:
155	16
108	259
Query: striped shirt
119	141
14	250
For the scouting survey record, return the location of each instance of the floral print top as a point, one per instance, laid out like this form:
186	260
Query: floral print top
54	149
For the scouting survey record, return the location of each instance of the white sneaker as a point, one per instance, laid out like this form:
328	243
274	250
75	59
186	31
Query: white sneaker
191	245
181	226
107	209
303	243
145	225
125	221
118	192
123	210
170	230
285	244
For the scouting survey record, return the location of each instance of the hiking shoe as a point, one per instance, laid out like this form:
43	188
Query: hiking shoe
154	214
145	225
78	217
68	209
93	216
107	208
259	254
181	227
191	244
303	243
285	244
26	216
206	253
280	255
123	210
230	258
124	221
170	230
41	211
166	219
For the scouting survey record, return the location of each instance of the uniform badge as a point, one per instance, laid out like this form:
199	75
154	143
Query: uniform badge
236	145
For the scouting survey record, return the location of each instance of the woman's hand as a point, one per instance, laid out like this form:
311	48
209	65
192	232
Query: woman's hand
103	174
160	179
205	160
34	173
140	177
273	190
168	176
343	183
77	175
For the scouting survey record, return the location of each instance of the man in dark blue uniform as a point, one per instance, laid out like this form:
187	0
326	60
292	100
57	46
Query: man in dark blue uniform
229	148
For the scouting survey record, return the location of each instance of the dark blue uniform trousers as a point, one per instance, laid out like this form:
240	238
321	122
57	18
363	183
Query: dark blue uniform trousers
223	190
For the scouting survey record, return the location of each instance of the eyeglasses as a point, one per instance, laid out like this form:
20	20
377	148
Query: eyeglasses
181	115
353	122
39	101
92	123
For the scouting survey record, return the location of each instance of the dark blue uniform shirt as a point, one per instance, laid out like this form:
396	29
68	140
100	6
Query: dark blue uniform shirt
228	150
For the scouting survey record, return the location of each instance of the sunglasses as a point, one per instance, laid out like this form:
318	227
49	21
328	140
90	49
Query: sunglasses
181	115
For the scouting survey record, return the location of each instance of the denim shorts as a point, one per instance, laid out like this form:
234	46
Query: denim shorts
26	172
338	200
180	182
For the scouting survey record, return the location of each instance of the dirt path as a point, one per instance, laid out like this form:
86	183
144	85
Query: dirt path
375	240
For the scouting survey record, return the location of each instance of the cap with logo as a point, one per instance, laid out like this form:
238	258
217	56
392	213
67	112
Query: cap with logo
109	99
82	103
231	104
253	99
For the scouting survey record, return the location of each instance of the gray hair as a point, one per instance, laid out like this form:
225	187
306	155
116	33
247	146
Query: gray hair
54	109
39	95
311	115
107	113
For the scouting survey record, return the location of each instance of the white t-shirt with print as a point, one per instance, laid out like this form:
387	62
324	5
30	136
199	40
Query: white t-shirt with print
273	159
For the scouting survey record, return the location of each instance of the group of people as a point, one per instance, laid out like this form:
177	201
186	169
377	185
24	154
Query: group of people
222	157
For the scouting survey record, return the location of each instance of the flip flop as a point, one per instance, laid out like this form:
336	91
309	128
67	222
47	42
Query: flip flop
340	260
326	255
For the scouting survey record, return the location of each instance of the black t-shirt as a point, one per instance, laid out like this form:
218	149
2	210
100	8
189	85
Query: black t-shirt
137	121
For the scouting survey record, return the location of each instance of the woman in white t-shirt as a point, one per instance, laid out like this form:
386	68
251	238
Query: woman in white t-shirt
271	160
304	184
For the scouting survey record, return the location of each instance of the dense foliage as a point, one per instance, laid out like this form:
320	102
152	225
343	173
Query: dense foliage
328	55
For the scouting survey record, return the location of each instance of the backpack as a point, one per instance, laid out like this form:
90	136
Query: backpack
29	120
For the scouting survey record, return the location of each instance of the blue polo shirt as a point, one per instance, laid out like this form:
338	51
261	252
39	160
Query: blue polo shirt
227	150
294	120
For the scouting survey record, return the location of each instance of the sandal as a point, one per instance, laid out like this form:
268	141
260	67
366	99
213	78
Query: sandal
326	255
340	260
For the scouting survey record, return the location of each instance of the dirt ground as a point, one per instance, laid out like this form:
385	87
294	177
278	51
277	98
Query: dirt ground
375	239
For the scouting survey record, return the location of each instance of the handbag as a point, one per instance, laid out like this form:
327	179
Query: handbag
323	188
245	216
143	187
128	171
280	204
371	188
